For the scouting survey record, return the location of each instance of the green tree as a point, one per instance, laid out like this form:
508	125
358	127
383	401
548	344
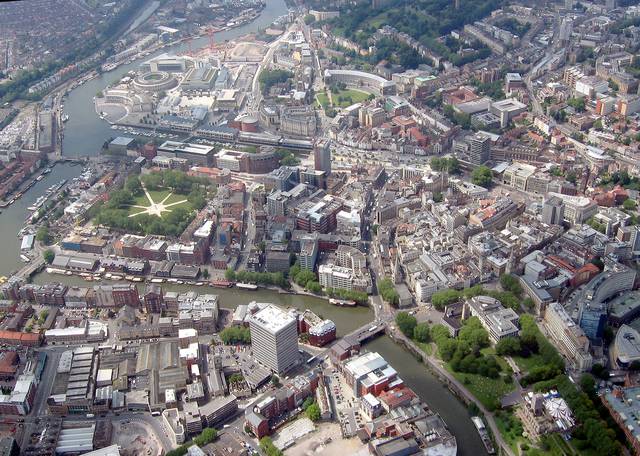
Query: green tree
267	446
443	298
313	412
406	323
133	185
230	274
511	283
207	435
48	256
269	78
579	104
508	346
314	287
305	276
629	205
421	332
275	380
482	176
307	403
235	335
42	235
388	292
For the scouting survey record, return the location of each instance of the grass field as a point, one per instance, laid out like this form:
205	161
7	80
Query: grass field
348	97
489	391
323	100
159	196
525	364
427	348
342	99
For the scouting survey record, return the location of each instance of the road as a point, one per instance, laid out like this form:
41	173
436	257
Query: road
256	94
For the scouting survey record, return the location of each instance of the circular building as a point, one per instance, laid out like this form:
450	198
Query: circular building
155	81
626	348
249	123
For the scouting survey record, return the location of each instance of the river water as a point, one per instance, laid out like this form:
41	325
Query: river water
85	134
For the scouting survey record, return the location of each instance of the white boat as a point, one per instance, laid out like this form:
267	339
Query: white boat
247	286
157	280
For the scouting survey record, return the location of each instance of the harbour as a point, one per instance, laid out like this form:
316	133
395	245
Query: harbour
84	135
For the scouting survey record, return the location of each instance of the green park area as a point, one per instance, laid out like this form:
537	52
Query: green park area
485	371
162	203
158	202
341	98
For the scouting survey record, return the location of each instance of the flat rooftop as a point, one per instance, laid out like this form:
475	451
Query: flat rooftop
273	319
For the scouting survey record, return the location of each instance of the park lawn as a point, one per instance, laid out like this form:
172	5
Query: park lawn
559	446
174	198
357	96
526	364
158	196
488	391
323	99
425	347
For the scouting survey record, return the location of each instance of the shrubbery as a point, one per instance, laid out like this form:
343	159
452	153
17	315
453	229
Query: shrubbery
235	335
388	292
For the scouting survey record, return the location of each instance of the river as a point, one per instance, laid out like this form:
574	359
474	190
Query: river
85	132
13	217
84	136
346	319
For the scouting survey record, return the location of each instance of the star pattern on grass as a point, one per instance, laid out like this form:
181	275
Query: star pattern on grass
156	208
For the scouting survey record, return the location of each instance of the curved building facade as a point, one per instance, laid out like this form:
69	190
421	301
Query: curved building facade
626	348
367	82
155	81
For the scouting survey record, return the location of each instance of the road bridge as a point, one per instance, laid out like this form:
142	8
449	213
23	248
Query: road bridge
368	331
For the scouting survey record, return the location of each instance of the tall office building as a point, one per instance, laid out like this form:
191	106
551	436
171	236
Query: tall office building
274	339
479	148
322	156
553	211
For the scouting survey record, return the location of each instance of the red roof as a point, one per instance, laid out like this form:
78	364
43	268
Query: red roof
396	397
19	336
